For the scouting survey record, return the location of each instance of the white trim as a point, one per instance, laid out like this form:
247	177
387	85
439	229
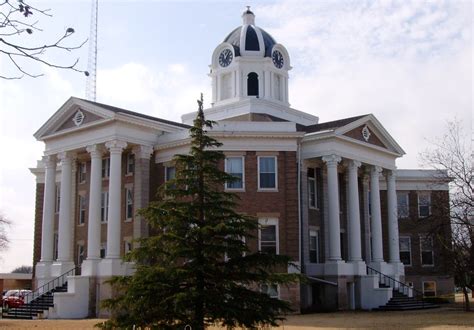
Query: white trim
243	173
409	249
104	204
435	286
82	198
421	238
269	222
314	183
130	160
424	193
316	234
259	188
406	194
129	188
82	172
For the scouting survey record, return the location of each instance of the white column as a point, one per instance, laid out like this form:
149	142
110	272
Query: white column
115	188
238	87
65	221
333	209
93	229
375	216
47	229
394	249
267	85
355	250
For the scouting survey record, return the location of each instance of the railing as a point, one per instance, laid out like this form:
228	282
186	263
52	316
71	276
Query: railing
47	287
396	285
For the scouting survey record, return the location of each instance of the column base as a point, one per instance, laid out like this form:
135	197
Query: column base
43	273
90	267
359	267
398	268
114	267
59	268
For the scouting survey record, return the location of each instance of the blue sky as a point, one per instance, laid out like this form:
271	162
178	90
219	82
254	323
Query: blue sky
407	62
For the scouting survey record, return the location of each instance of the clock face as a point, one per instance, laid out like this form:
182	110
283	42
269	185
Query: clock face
225	57
277	58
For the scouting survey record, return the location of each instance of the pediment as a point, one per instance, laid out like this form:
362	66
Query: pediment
72	115
368	130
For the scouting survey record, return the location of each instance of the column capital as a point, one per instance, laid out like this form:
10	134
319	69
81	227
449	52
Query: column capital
352	164
95	150
391	175
66	157
49	161
116	146
143	151
376	170
331	160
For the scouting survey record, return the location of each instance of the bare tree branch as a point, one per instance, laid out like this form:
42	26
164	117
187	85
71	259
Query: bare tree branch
14	16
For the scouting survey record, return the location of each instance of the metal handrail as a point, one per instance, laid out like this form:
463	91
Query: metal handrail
45	288
371	270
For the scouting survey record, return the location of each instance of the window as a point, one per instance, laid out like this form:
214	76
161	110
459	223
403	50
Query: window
130	168
252	84
270	289
80	254
170	173
103	250
313	246
235	167
426	247
105	168
82	172
405	250
312	195
55	246
58	198
424	204
267	172
429	289
104	206
268	236
129	203
82	210
127	246
402	205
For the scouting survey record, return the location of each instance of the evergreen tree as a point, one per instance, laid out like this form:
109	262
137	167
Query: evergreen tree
195	269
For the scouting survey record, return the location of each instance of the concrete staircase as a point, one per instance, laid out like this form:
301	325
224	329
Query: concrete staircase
401	302
36	307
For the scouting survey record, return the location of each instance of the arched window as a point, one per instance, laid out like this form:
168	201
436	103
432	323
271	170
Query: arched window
252	84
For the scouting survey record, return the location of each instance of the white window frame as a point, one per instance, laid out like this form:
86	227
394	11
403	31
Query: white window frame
242	158
435	288
82	172
407	200
276	174
269	222
313	183
82	210
57	201
166	172
127	245
423	237
129	202
103	246
410	249
314	233
428	194
104	204
105	174
266	291
79	246
130	162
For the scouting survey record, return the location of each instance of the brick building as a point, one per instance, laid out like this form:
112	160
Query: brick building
325	194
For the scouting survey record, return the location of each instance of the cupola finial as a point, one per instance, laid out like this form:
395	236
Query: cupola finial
248	17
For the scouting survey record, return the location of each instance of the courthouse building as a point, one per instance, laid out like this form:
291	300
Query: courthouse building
329	195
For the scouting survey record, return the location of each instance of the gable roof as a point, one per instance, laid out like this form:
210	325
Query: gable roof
330	125
136	114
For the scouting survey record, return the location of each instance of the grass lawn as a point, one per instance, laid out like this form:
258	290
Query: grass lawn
448	317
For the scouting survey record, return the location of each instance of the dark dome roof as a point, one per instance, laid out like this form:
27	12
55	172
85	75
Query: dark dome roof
251	40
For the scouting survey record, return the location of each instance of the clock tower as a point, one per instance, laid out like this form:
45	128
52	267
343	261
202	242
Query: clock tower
249	64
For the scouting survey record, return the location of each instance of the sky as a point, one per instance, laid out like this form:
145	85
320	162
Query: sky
410	63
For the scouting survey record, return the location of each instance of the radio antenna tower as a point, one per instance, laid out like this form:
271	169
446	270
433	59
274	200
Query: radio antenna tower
92	60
